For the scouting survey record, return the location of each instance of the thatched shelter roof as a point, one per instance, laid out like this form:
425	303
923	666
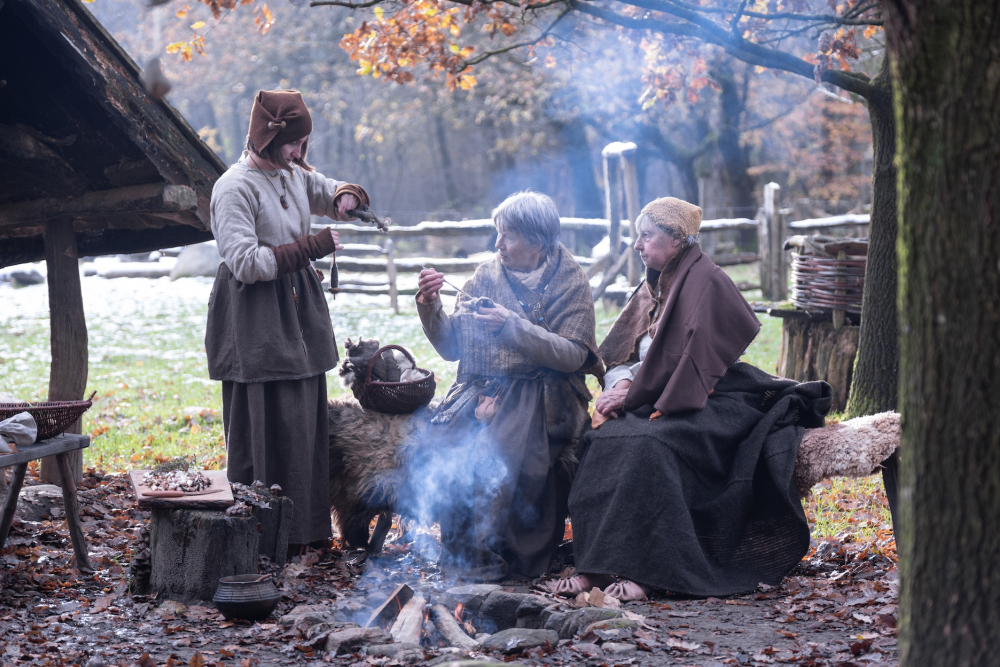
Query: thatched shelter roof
81	140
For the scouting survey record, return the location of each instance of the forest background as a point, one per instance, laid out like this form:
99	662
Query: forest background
533	119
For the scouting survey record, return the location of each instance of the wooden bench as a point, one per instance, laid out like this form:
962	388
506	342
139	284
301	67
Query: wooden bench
59	447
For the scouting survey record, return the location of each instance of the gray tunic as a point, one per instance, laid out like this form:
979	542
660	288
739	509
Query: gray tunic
248	219
270	340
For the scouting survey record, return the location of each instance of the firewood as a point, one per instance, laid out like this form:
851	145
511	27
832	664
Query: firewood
409	625
388	610
449	628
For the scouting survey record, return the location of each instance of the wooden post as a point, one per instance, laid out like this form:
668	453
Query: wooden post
68	375
390	269
631	181
771	239
613	197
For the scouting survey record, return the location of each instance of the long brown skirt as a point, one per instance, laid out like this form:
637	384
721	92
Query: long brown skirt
278	432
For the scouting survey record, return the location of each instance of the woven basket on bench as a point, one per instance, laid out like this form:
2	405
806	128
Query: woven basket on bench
52	417
395	398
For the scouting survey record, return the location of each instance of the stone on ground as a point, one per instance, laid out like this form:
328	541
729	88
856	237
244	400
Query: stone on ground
499	610
516	640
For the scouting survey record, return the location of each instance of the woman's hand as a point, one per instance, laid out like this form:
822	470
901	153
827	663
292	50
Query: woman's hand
611	402
336	240
345	202
494	318
428	285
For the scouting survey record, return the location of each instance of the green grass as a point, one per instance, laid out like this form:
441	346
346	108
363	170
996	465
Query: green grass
147	362
154	399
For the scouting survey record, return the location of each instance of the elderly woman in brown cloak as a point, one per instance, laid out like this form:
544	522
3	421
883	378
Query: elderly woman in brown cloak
686	484
494	466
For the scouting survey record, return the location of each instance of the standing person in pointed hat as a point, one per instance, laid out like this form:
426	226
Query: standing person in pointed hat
269	337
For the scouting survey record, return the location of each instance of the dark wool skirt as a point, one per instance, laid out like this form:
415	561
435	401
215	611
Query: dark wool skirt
278	433
701	502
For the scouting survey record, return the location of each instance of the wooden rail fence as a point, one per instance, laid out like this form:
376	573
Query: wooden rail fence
621	209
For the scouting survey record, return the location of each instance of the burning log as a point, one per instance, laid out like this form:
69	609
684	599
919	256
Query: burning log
451	630
409	625
386	613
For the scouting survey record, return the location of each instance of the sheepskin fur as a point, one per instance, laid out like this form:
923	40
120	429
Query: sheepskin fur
366	447
368	451
852	448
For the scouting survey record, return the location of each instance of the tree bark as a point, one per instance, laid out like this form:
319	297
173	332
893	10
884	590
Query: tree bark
735	176
946	73
68	374
873	388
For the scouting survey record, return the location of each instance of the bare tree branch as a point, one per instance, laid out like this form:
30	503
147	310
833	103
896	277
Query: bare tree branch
749	52
545	33
832	19
351	5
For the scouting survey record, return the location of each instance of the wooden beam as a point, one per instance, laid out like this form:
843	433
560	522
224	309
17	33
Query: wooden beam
106	242
149	198
68	375
110	78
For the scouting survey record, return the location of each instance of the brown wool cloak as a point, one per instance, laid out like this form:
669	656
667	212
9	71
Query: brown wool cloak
703	328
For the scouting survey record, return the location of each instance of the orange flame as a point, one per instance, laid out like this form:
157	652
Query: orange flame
458	611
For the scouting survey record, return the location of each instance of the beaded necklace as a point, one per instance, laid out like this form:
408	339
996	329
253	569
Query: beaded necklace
284	189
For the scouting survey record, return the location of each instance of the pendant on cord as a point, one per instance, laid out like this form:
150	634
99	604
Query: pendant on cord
284	204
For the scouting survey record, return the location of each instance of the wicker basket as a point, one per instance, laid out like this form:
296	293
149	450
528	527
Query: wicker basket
827	284
51	417
394	398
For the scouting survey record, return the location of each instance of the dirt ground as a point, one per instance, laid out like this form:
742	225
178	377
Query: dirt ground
837	608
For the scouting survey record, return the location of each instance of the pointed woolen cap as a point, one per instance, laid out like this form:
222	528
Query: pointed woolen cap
677	214
280	116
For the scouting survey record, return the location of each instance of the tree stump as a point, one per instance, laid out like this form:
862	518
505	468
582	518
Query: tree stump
812	349
191	549
275	525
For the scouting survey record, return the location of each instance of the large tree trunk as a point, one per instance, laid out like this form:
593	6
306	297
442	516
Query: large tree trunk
873	387
947	77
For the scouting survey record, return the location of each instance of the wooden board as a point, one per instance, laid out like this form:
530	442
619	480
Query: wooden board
220	498
60	444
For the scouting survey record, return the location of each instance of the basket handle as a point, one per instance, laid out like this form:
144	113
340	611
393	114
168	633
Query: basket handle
378	353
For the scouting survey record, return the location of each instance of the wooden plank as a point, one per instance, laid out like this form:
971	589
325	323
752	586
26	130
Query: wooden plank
386	612
409	625
149	198
847	220
65	442
732	260
68	340
727	225
221	498
479	227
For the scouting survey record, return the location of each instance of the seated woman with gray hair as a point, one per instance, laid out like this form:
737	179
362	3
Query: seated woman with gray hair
686	481
494	466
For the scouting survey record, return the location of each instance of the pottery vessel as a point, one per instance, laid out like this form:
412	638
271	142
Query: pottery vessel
248	596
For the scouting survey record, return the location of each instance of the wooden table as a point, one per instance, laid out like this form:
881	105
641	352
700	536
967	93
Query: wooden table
59	447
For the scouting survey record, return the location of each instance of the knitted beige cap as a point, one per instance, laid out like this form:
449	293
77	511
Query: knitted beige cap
682	217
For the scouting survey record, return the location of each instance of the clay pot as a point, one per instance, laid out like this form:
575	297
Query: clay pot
248	596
